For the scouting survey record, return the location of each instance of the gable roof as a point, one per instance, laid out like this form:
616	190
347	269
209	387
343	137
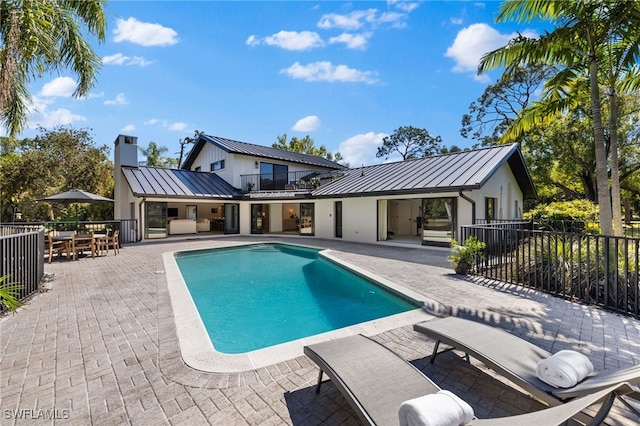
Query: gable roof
158	181
444	173
237	147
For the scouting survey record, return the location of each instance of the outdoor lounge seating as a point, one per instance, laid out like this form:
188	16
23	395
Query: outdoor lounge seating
376	381
518	363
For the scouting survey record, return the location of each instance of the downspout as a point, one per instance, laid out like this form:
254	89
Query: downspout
473	206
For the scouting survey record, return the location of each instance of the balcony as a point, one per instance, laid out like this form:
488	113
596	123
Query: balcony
291	182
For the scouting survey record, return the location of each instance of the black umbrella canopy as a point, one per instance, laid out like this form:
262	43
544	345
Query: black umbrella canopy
75	196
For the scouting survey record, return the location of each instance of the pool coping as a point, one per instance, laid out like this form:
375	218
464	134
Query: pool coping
198	352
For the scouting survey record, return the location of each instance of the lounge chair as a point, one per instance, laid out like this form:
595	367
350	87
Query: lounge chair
516	359
376	381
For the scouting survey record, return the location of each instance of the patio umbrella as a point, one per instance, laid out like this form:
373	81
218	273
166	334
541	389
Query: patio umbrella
75	196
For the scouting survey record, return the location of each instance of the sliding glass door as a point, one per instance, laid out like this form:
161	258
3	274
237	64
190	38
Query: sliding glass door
155	220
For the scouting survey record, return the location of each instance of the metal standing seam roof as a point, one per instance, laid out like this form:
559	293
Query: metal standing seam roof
158	181
456	171
253	150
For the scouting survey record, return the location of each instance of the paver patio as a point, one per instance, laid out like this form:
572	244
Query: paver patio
100	347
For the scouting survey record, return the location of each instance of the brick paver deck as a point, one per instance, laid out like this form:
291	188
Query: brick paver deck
100	347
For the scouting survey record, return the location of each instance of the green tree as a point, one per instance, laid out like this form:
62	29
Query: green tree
305	145
40	36
52	162
583	30
154	155
493	113
451	149
410	142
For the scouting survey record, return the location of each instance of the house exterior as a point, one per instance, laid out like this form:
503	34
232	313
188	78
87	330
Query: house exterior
232	187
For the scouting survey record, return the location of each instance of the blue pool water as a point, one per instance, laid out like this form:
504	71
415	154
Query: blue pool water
257	296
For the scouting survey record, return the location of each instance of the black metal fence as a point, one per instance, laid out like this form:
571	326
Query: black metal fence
128	227
594	269
22	257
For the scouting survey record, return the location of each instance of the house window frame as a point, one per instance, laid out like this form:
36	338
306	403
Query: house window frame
490	208
217	165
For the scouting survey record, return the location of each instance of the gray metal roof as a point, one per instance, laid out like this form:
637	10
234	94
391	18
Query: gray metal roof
244	148
157	181
451	172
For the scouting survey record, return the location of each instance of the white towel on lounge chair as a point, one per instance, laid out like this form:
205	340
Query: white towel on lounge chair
438	409
564	369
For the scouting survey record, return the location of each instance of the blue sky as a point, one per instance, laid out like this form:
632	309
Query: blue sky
345	73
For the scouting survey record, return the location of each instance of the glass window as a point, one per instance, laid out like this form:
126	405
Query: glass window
338	218
218	165
490	208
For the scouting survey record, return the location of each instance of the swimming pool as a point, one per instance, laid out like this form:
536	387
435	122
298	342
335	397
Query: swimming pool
199	351
261	295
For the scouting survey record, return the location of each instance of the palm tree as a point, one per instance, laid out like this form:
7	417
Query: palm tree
40	36
620	67
154	155
577	44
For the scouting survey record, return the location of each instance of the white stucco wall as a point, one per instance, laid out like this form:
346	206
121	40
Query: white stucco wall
504	187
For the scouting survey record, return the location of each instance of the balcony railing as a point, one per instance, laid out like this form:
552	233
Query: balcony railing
306	180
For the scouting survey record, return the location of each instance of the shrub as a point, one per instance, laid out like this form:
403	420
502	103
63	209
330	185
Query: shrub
463	256
9	294
566	216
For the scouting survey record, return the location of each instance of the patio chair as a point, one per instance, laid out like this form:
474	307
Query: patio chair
376	381
57	246
516	359
113	241
81	242
102	242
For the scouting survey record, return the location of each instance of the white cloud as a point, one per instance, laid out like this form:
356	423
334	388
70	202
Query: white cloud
61	87
144	33
326	71
177	126
352	41
151	121
351	21
309	123
394	18
40	115
474	41
119	100
128	128
404	6
289	40
361	149
456	21
359	18
120	59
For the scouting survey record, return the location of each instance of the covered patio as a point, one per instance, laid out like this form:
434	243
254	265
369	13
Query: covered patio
99	346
